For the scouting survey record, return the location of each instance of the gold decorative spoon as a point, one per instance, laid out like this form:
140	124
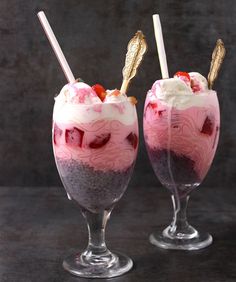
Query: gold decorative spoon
216	62
137	46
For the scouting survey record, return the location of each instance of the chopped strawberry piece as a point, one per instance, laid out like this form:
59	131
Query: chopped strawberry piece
74	137
207	127
100	141
57	133
151	109
101	92
133	139
153	105
183	75
98	88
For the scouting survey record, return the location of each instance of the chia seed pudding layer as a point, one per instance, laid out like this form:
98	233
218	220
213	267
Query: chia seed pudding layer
182	169
94	190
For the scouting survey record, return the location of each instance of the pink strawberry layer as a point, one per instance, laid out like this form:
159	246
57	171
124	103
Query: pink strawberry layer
103	144
194	132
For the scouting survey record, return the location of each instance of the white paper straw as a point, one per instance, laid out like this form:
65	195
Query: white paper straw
56	47
160	46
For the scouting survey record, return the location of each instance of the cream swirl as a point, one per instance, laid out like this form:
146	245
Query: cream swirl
125	112
78	103
174	92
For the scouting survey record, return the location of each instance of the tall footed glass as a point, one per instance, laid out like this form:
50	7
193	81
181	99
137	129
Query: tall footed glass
181	130
95	147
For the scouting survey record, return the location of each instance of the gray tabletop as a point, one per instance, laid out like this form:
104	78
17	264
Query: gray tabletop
39	227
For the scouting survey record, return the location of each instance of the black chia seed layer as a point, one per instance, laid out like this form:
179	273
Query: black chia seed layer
94	190
182	169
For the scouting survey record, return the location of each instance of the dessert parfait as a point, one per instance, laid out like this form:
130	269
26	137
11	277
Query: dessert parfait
181	123
181	129
95	142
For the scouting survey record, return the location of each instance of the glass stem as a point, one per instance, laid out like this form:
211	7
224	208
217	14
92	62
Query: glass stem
179	228
96	223
180	207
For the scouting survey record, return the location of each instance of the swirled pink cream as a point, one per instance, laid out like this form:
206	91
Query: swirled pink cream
99	132
182	115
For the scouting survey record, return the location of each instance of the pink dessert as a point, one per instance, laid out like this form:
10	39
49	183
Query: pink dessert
95	142
181	128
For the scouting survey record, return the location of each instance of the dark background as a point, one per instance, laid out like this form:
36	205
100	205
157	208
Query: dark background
94	37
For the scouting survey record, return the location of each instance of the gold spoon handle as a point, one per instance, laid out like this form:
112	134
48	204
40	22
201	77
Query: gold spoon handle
137	47
217	60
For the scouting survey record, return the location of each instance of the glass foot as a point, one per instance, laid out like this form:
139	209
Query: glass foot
117	265
198	241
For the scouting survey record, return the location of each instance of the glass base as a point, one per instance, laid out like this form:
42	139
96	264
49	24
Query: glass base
77	265
163	240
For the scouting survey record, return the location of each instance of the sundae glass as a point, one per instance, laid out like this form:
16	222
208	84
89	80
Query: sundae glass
181	130
181	124
95	142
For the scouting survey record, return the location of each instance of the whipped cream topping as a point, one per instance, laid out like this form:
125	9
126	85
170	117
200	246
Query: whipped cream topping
174	92
79	103
79	92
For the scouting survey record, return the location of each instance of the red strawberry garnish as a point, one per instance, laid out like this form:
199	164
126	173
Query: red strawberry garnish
183	75
57	132
100	90
100	141
207	127
74	137
133	139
